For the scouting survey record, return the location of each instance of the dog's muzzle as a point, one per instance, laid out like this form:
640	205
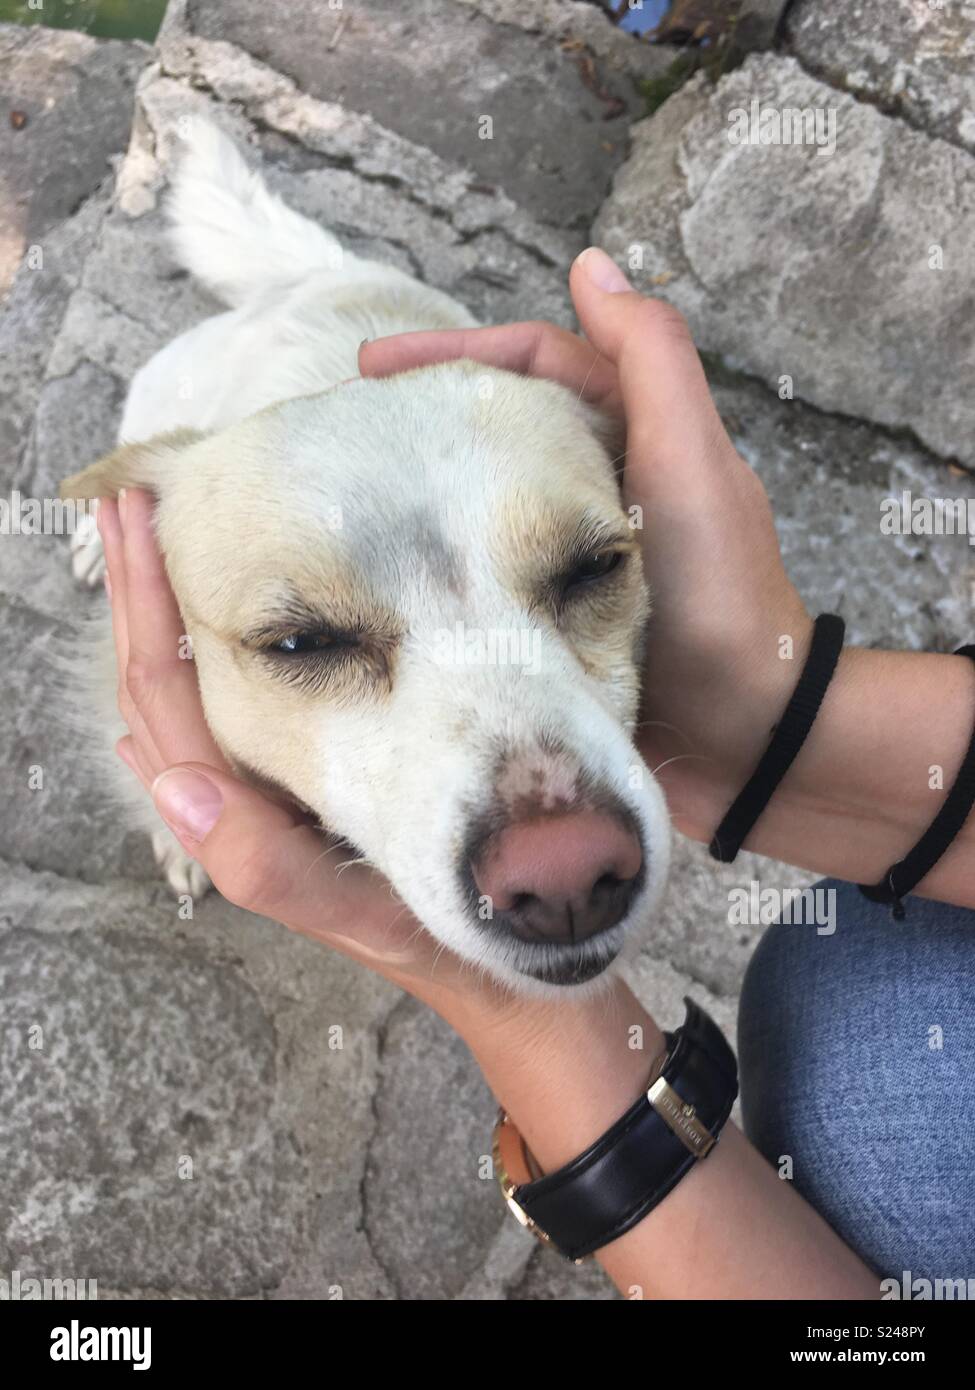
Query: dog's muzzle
559	883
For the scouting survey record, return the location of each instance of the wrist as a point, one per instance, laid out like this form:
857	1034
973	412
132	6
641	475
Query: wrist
564	1070
744	704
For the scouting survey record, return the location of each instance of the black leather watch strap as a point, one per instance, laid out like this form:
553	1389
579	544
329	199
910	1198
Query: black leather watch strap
624	1174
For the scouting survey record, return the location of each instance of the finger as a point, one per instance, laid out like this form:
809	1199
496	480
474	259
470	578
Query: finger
263	857
110	530
128	751
113	539
160	675
154	618
533	348
671	418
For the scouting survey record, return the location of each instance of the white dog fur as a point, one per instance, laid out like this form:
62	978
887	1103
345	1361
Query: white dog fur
427	512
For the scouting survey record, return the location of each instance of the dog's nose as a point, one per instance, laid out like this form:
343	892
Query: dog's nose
560	879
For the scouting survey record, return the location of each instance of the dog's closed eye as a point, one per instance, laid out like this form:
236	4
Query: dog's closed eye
594	566
303	650
309	643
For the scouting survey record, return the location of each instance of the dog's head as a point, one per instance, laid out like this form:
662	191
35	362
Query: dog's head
417	605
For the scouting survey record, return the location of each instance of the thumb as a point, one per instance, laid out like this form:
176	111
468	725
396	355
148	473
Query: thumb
671	418
261	856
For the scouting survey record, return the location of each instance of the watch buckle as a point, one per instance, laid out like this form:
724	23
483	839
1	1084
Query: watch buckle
509	1189
680	1118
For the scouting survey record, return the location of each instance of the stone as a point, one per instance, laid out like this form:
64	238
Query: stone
432	1204
506	92
552	1279
30	322
177	1121
914	60
808	269
75	94
141	1145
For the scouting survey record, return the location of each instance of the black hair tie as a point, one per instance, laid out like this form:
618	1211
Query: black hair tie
901	878
787	738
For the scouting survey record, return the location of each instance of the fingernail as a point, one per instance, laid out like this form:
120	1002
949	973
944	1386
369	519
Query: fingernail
188	802
603	271
363	343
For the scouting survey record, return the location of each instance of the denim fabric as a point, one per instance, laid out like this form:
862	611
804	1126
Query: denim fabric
841	1070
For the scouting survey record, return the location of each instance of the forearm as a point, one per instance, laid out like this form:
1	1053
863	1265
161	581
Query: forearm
730	1229
872	775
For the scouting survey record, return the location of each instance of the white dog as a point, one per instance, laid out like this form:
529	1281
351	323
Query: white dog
416	604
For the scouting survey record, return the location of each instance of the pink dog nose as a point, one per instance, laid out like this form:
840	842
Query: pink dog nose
560	878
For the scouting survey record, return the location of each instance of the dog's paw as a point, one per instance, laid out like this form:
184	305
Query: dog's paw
183	874
87	553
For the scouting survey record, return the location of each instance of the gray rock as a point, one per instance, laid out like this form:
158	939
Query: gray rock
915	60
817	267
78	411
552	1279
439	72
29	324
161	1039
580	22
75	95
142	1147
762	18
434	1116
52	813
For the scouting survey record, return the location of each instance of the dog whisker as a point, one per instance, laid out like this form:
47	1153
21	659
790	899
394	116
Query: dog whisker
588	375
661	724
680	757
361	859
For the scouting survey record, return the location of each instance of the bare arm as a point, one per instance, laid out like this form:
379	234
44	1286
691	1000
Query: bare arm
731	1228
870	778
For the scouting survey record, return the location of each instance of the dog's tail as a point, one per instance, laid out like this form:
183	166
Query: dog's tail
231	232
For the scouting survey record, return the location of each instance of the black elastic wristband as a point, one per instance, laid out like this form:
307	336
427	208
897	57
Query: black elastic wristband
902	877
787	738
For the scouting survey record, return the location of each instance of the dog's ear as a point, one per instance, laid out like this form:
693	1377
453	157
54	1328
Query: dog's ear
130	465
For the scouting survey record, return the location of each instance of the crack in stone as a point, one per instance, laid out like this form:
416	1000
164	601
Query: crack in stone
382	1037
904	435
350	164
892	107
129	317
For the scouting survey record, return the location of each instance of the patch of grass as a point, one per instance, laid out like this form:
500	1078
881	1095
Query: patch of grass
656	90
104	19
714	60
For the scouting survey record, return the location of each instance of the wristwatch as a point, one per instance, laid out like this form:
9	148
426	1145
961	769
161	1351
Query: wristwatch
603	1193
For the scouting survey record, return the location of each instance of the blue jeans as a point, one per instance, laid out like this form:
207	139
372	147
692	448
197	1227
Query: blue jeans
857	1058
